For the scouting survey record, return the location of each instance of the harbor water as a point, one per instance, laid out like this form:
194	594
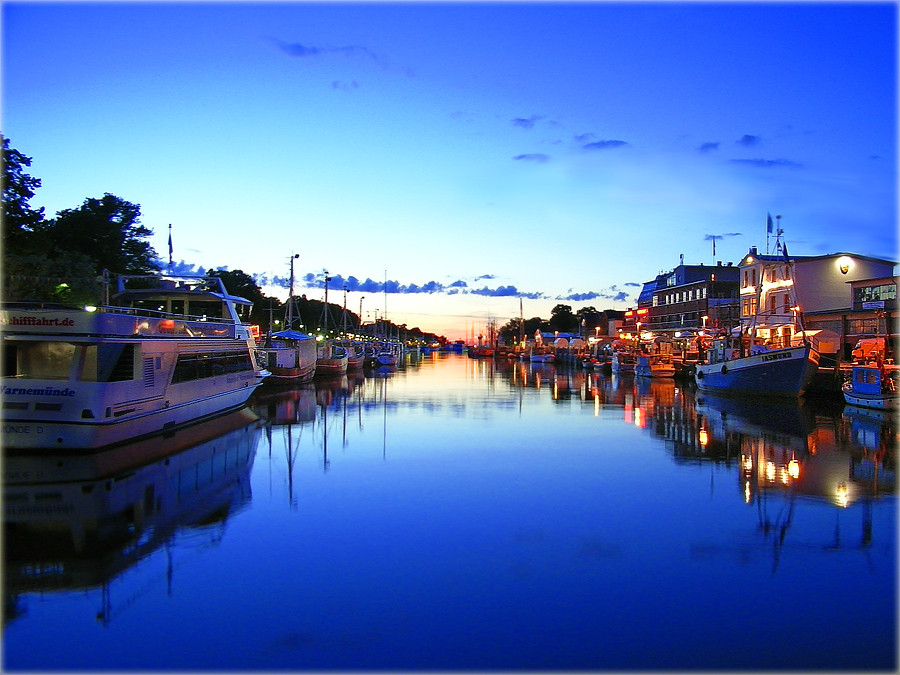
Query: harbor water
464	514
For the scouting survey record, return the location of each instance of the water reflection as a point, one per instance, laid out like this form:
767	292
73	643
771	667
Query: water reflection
81	521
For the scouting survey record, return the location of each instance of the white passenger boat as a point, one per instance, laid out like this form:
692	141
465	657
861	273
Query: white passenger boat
162	352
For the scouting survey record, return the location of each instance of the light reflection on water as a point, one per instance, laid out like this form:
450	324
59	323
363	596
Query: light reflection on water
465	514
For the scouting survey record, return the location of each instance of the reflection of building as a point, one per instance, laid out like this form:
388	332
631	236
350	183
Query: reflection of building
80	521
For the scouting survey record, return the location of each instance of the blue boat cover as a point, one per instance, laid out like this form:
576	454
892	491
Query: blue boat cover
291	335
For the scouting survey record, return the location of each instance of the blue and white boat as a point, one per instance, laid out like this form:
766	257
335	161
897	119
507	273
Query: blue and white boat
766	372
871	386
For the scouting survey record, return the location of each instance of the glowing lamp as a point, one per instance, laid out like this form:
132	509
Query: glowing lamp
844	263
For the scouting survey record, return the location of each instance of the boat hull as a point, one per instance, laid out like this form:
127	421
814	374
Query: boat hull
779	372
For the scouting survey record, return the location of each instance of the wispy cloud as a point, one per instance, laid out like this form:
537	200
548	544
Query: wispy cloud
749	140
768	163
533	157
604	145
708	147
719	237
526	122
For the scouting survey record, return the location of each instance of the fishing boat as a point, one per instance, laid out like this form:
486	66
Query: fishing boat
386	353
356	354
542	355
161	352
772	372
290	356
654	365
622	361
873	385
331	358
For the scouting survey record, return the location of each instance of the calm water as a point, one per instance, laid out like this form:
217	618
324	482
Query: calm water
459	514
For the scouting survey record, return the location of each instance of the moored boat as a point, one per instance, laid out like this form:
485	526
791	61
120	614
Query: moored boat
772	372
622	361
873	386
331	358
290	356
162	352
654	365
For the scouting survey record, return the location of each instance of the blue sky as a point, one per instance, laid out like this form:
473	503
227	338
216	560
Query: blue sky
472	154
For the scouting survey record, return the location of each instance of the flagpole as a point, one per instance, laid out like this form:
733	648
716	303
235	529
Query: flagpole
170	248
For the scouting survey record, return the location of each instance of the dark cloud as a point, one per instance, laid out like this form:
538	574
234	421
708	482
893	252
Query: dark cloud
634	283
768	163
482	277
748	140
533	157
345	86
708	147
604	145
585	137
526	122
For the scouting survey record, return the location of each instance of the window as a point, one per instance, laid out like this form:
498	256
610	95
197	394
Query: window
875	293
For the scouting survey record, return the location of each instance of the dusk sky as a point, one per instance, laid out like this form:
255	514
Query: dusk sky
472	154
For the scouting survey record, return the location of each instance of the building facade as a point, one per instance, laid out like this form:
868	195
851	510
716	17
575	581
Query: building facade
840	292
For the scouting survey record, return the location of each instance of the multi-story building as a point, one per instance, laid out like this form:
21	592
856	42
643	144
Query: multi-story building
687	299
780	293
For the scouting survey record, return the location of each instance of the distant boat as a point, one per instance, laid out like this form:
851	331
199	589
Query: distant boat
622	361
654	365
542	355
163	352
385	353
871	386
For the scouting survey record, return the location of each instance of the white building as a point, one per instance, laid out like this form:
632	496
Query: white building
778	293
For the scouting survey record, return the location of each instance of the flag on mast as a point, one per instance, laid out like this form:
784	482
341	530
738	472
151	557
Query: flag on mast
170	247
769	223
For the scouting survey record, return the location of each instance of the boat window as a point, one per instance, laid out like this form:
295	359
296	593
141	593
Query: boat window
207	309
108	363
39	360
198	366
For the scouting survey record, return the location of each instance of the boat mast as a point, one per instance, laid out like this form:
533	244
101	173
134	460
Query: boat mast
289	311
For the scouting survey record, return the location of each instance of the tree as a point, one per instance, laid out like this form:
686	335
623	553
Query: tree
108	230
19	219
562	319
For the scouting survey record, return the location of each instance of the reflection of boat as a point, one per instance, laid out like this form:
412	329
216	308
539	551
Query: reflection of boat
166	352
772	372
77	521
871	386
285	406
786	417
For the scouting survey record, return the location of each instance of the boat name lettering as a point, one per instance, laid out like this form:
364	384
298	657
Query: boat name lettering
36	391
21	429
775	357
37	321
